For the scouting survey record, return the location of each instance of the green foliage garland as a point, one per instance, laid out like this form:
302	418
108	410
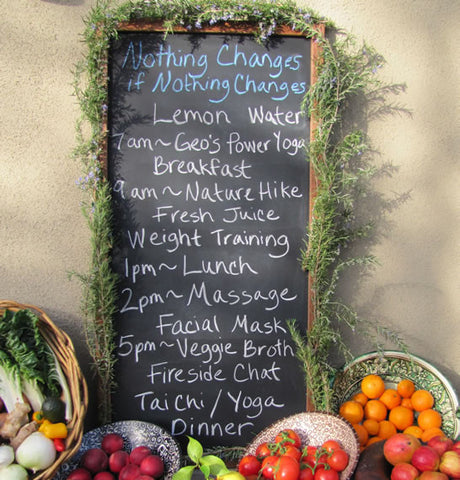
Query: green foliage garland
337	157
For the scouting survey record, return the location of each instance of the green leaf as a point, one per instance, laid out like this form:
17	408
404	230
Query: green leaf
194	450
184	473
216	465
205	470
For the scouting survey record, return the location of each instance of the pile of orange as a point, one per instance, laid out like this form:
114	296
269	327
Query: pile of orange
377	412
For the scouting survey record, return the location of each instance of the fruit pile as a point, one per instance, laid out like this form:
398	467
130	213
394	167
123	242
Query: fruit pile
111	461
287	459
438	459
378	412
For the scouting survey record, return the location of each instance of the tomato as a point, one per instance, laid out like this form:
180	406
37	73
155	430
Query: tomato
249	465
331	445
291	451
263	450
308	460
268	466
287	468
321	458
306	474
288	436
309	455
338	460
323	474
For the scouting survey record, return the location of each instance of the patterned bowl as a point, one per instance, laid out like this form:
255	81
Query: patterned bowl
314	428
394	366
134	433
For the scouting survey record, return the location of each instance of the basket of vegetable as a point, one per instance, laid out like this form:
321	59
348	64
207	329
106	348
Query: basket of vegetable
43	394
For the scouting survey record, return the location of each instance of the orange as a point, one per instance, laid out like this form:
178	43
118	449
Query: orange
363	435
360	398
421	400
373	440
372	386
351	411
386	429
429	418
430	433
414	430
375	409
372	426
406	402
401	417
391	398
405	388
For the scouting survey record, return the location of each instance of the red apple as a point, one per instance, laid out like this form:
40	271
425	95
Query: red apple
138	454
152	465
425	458
404	471
450	464
111	442
104	476
429	475
129	472
118	460
456	447
400	447
80	474
440	443
95	460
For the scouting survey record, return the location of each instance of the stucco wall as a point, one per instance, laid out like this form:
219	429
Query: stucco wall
415	290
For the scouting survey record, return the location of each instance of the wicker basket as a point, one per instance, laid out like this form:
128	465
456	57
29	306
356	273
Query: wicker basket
63	348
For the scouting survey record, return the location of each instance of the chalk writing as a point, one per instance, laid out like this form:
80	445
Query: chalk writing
210	192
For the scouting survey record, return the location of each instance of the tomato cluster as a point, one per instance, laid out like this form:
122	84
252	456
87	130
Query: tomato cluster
287	459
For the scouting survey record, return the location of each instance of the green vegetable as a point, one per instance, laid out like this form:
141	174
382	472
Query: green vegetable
10	382
20	331
40	372
53	409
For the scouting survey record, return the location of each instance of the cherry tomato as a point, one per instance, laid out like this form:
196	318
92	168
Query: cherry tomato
331	445
289	436
308	455
249	465
268	466
338	460
310	450
287	468
263	450
306	474
323	474
291	451
321	458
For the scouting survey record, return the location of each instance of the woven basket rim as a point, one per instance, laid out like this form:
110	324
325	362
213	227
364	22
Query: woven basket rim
62	346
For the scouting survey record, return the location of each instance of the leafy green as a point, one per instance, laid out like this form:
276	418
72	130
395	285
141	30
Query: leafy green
10	382
210	465
31	359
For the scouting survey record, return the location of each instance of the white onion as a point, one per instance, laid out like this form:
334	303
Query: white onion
13	472
36	452
6	455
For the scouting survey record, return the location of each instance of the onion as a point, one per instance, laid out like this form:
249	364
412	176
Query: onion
13	472
6	455
36	452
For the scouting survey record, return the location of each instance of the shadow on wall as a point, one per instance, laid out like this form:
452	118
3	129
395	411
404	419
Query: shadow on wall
372	213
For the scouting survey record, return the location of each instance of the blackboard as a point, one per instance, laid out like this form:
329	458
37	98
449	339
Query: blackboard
210	183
